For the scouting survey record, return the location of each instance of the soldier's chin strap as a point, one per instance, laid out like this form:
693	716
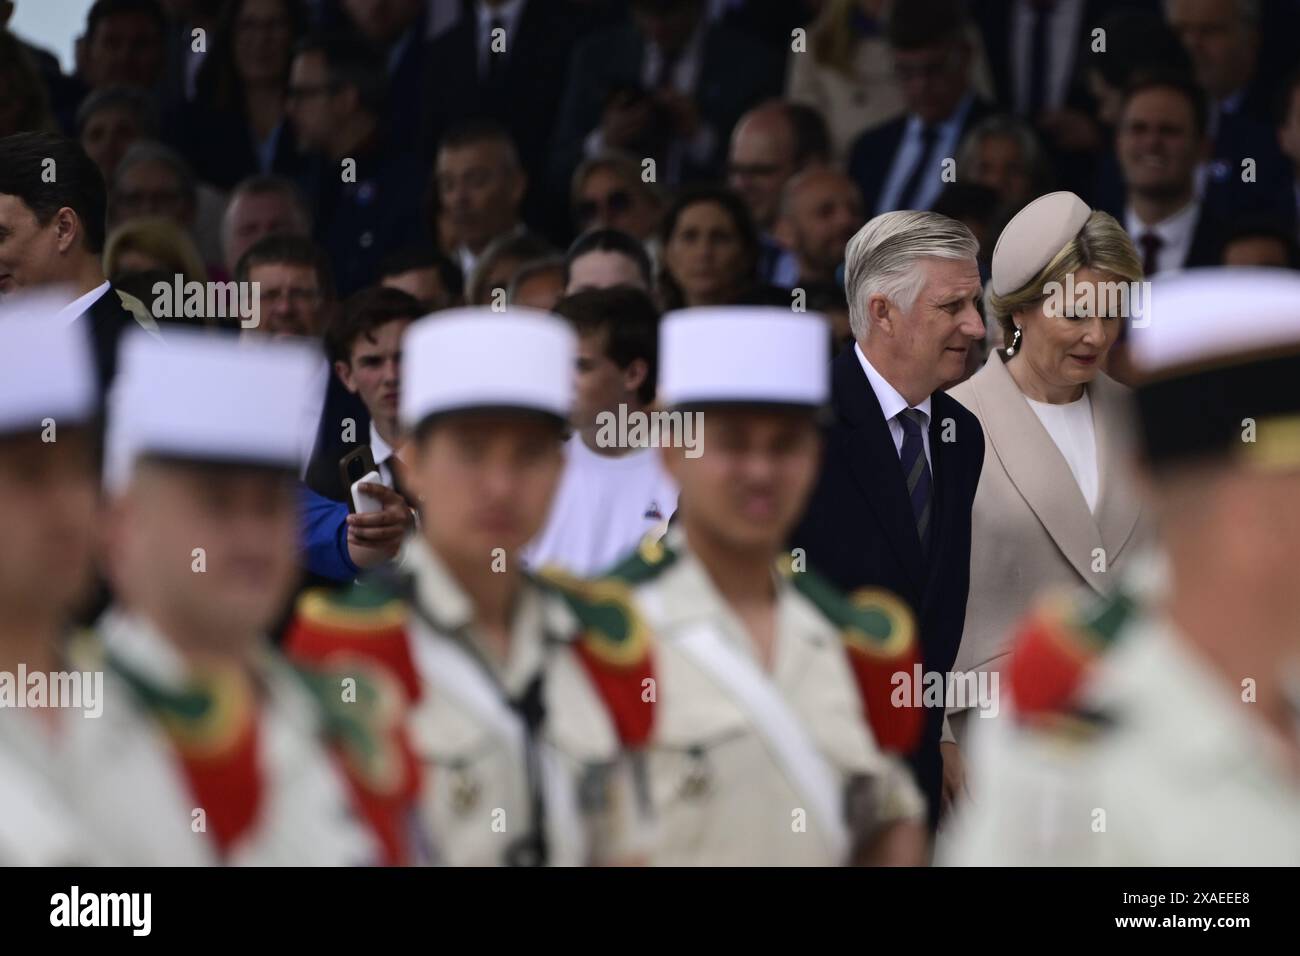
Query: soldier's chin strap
531	849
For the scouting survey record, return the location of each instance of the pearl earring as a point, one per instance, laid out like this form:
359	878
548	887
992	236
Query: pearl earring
1015	341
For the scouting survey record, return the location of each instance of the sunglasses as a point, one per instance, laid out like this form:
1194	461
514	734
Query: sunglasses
619	201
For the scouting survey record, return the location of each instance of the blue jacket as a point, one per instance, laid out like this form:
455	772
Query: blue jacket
324	540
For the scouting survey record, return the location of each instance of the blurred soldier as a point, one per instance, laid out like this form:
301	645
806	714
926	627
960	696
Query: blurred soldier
770	682
47	507
526	691
1180	744
222	752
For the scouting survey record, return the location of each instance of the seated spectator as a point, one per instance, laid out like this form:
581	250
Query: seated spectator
611	493
261	206
498	264
480	185
1223	40
152	245
847	73
899	165
820	211
1003	153
364	346
425	273
538	284
237	125
608	193
770	144
1137	42
26	104
667	85
710	252
603	258
110	120
1257	241
122	45
152	180
364	197
1160	142
395	31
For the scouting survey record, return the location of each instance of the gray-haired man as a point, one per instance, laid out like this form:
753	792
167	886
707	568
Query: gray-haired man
892	508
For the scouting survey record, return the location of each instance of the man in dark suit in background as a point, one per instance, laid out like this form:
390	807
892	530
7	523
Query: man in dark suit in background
517	81
668	85
900	164
892	507
53	205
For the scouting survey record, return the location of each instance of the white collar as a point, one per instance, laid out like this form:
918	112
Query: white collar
891	402
81	305
379	449
1172	229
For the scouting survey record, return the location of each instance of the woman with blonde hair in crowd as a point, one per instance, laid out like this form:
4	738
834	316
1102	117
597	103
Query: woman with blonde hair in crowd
1056	506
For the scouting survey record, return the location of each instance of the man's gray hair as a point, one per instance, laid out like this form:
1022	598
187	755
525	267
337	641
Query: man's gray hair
883	259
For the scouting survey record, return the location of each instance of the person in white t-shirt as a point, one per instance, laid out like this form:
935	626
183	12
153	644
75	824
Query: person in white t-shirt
613	491
1056	505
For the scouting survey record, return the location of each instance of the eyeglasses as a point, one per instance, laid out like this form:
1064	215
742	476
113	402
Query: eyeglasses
619	201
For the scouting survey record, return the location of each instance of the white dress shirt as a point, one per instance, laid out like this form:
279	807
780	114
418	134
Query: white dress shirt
1176	231
382	451
910	152
79	306
891	403
1063	36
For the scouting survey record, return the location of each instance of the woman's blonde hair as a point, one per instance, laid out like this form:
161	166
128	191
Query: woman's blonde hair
831	36
1102	244
160	239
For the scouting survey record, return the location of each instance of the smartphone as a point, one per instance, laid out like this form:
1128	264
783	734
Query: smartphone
354	467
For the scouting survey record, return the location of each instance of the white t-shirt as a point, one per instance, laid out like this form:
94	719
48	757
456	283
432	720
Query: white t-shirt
603	507
1070	426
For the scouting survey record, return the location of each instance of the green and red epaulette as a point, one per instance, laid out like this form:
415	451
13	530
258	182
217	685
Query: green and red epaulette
364	622
212	724
879	634
1057	645
613	644
364	721
650	559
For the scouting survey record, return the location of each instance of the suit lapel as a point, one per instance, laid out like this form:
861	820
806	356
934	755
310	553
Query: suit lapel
868	446
1036	467
1118	508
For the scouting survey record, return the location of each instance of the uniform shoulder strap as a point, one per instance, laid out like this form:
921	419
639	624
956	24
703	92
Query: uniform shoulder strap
363	725
613	643
879	634
366	621
1056	647
650	559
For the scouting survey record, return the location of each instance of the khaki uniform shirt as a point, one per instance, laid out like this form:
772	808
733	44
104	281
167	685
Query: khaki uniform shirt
720	795
134	797
1161	764
477	799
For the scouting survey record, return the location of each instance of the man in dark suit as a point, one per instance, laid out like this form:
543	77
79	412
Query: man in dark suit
52	210
668	85
1160	140
364	194
892	507
901	164
515	77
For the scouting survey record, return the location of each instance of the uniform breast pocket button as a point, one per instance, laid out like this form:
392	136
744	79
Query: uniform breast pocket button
698	779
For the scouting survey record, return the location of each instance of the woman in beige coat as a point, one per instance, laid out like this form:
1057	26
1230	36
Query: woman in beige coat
1056	506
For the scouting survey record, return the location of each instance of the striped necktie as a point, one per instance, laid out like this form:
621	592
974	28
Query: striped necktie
916	468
